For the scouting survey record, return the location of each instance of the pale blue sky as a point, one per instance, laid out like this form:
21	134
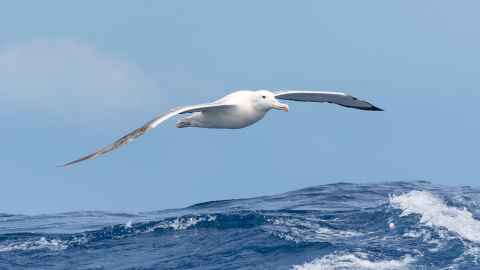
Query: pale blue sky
74	76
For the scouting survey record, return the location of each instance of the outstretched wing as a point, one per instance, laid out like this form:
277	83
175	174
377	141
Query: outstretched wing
341	99
148	126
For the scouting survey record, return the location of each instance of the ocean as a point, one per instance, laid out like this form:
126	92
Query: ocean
395	225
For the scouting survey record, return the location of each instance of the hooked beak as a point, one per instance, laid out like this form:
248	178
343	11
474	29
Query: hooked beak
280	106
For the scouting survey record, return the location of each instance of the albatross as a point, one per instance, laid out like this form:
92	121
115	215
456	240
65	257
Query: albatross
237	110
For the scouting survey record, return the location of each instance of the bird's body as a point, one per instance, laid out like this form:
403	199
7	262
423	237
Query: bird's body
236	110
241	115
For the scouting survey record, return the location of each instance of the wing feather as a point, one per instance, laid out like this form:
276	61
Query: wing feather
149	126
338	98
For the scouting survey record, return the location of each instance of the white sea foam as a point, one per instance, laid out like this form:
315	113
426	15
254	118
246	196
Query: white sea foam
182	223
435	213
357	261
129	224
42	243
392	226
304	230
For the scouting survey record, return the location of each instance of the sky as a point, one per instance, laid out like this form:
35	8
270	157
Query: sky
75	76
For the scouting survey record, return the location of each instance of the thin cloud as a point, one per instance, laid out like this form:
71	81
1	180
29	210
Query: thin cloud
69	76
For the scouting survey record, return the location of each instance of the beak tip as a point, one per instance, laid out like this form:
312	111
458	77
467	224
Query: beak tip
281	106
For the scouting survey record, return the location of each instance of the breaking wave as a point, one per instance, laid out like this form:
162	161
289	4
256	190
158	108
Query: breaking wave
435	212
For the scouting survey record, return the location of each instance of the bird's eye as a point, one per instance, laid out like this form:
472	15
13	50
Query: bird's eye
264	96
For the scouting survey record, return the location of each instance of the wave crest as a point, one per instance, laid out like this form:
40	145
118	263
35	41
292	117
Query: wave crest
434	212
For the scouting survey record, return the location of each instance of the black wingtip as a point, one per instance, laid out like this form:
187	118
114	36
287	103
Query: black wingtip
65	165
375	108
91	156
371	108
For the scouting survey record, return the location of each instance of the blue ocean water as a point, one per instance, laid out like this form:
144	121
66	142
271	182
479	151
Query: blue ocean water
398	225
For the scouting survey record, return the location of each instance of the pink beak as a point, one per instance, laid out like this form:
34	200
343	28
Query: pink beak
280	106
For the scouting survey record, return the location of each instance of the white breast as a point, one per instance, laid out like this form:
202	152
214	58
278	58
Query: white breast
240	116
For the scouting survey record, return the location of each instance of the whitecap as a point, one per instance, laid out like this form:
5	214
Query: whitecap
435	213
357	261
42	243
182	223
129	224
304	230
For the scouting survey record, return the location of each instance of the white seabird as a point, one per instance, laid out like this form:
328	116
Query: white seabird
236	110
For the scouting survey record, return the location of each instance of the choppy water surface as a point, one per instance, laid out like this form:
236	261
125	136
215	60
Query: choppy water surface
339	226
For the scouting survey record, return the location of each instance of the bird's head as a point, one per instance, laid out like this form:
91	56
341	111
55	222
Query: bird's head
265	100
